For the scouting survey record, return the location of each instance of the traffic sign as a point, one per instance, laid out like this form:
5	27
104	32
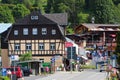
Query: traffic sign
71	53
68	44
78	58
53	60
12	57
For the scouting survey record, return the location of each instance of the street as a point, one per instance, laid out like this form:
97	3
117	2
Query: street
84	75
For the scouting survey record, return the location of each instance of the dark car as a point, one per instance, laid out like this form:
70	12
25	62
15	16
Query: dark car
26	71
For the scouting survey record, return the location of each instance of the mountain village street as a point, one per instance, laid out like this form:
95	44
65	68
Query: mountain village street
84	75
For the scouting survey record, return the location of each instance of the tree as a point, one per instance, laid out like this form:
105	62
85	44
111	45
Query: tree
116	2
83	17
103	11
7	1
116	13
40	4
117	49
19	11
26	56
6	15
72	7
69	30
28	3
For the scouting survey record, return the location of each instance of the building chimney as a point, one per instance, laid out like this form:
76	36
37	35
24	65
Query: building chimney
93	20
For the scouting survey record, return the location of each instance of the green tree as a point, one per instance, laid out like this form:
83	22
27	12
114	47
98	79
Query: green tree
103	11
40	4
5	14
69	30
117	49
26	56
116	13
19	11
72	7
28	3
83	17
7	1
116	2
49	7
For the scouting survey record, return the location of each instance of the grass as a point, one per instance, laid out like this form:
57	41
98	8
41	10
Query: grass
4	78
88	67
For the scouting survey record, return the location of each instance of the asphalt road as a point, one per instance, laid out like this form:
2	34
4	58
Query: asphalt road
84	75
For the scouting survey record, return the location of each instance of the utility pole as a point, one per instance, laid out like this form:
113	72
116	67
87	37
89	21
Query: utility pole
71	60
0	51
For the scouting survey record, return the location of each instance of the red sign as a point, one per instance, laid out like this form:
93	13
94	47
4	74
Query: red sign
68	44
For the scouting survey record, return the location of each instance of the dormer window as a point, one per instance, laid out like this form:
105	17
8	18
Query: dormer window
15	32
34	31
34	17
44	31
25	31
53	32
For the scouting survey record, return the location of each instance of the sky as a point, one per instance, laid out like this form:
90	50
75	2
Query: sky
4	26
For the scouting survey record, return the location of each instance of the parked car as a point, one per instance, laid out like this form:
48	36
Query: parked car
26	71
15	70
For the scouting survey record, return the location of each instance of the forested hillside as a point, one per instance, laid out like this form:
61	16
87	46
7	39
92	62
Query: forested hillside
79	11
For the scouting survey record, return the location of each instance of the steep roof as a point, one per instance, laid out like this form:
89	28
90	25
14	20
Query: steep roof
59	18
91	26
37	19
40	19
4	27
97	27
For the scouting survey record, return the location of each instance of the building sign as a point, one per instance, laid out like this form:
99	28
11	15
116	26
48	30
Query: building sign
14	57
68	44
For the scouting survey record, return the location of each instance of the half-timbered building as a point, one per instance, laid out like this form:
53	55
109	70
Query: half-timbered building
38	34
98	35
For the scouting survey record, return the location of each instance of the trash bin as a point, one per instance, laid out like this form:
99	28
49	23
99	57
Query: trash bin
4	72
14	77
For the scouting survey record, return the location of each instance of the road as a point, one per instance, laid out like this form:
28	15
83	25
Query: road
84	75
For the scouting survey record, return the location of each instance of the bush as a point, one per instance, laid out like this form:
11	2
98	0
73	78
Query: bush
4	78
88	67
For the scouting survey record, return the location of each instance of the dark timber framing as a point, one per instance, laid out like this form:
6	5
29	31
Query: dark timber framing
42	22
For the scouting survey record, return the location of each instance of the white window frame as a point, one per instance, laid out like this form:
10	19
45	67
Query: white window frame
34	17
44	31
25	31
15	32
53	31
34	31
28	46
41	46
52	46
17	46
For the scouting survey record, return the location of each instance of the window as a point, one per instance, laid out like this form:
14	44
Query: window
25	31
34	17
41	46
44	31
28	46
53	32
15	32
17	46
52	46
34	31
